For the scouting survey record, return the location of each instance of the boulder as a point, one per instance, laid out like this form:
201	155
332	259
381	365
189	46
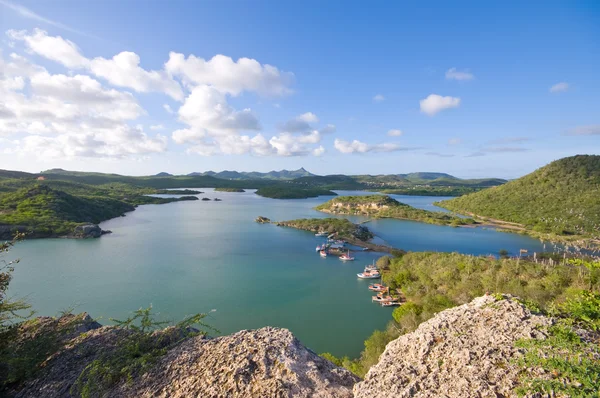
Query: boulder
87	231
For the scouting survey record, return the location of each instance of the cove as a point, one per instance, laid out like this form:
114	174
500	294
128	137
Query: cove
206	256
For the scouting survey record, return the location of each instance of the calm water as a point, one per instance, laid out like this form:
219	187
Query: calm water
200	256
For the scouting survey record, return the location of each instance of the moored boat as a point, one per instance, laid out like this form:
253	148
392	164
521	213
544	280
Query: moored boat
321	234
346	257
389	303
369	275
377	287
380	298
323	253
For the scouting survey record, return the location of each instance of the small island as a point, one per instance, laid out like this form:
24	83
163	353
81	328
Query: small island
178	192
225	189
382	206
290	192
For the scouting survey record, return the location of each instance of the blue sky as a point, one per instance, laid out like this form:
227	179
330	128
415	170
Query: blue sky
469	88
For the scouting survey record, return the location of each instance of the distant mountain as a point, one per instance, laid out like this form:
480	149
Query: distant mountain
255	175
427	176
163	174
561	197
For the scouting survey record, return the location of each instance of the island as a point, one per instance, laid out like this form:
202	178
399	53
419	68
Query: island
383	206
179	192
227	189
292	192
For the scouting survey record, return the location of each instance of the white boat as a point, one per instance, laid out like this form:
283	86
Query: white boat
376	287
371	268
389	303
380	298
323	253
369	275
346	257
321	234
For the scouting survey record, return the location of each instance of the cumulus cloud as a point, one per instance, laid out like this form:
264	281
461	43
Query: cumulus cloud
122	70
394	133
435	103
54	48
455	74
559	87
356	146
229	76
300	124
378	98
584	130
64	116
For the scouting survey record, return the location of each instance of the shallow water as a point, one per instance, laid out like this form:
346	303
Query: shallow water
201	256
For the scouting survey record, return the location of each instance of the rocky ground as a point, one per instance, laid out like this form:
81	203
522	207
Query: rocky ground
464	351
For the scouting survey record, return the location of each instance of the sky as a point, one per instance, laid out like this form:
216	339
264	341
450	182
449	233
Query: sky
474	89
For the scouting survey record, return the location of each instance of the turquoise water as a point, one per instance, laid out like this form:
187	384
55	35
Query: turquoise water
201	256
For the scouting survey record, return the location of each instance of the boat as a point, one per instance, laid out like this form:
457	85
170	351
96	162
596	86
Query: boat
377	287
372	267
323	253
319	248
321	234
380	298
346	257
369	275
389	303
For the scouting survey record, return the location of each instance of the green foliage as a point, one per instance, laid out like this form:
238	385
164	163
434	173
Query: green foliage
57	207
292	192
560	198
225	189
332	358
136	352
434	191
573	365
382	206
340	226
10	310
432	282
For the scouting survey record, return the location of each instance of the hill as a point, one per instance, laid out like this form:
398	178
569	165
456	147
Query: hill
255	175
292	192
561	198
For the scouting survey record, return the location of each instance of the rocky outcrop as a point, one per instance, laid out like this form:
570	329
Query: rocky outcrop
466	351
267	362
262	220
87	231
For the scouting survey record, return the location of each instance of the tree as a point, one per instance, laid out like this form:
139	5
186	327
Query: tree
9	309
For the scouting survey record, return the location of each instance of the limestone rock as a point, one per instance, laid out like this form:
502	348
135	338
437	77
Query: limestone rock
464	351
87	231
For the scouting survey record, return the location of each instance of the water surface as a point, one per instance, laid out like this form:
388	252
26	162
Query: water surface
204	256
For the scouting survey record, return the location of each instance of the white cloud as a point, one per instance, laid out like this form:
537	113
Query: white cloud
124	70
585	130
356	146
559	87
287	144
54	48
229	76
64	116
454	74
157	127
454	141
378	98
168	108
435	103
207	109
394	133
318	151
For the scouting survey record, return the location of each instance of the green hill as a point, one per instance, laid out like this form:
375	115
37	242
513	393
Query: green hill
561	198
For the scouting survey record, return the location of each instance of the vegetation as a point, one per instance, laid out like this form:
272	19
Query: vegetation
560	198
225	189
339	226
136	352
382	206
432	282
291	192
56	208
433	191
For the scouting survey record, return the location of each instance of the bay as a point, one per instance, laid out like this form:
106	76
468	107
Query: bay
207	256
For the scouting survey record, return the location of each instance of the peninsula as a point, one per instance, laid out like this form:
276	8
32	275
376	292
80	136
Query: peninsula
382	206
228	189
292	192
